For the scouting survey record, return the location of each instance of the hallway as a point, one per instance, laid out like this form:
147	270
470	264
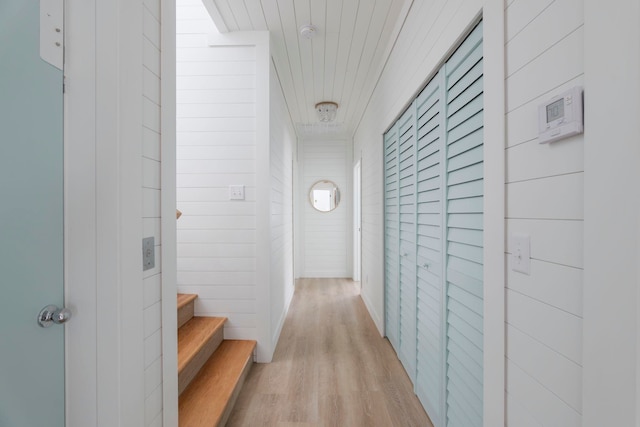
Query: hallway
330	368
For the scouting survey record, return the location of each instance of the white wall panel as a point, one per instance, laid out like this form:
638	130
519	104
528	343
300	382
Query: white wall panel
216	109
545	199
151	189
325	236
233	129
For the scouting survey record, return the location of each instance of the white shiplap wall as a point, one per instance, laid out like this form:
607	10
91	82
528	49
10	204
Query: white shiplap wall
234	254
151	187
326	237
282	155
215	149
544	193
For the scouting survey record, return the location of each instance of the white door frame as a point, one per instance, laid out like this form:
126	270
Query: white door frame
357	222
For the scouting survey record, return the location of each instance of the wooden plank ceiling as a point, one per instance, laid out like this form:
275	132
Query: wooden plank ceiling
341	63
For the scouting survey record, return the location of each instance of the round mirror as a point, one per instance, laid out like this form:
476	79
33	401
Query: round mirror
324	196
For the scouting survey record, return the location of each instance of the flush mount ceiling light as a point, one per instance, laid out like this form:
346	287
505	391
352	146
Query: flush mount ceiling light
326	111
308	31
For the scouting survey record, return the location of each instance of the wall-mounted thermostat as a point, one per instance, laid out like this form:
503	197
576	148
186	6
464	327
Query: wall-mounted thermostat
561	117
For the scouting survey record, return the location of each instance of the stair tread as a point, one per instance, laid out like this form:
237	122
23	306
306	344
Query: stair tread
193	335
205	400
184	299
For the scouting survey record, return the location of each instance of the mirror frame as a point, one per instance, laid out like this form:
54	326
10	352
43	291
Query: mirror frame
336	190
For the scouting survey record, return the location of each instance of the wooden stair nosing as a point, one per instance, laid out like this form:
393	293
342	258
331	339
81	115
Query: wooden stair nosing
209	399
184	299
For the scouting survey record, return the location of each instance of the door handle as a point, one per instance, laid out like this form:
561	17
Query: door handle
52	314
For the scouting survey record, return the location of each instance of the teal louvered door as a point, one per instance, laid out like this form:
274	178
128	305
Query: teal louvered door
464	210
407	267
434	239
391	238
429	236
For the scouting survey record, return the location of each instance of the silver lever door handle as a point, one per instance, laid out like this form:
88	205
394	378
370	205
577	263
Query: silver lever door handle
52	314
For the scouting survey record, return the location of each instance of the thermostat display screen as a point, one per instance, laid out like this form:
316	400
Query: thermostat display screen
555	110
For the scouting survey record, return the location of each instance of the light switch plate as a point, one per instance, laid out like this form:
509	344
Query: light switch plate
148	253
236	192
521	253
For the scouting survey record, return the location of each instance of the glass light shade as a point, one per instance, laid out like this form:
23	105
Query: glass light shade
326	111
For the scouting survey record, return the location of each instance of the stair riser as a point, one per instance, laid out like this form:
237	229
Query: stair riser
191	370
185	313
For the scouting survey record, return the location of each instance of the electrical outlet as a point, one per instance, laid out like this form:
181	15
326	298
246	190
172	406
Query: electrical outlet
236	192
521	253
148	253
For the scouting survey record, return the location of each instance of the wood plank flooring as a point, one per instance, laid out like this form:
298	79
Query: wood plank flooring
330	368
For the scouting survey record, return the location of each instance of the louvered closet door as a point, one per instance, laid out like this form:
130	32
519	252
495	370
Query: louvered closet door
407	184
464	210
429	205
391	237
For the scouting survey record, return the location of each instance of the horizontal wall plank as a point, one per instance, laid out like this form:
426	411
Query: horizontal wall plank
230	306
554	328
208	152
216	265
221	96
533	160
559	375
557	197
556	22
235	222
218	236
537	400
557	285
194	188
152	376
565	57
217	208
519	14
557	241
152	319
152	290
233	250
227	110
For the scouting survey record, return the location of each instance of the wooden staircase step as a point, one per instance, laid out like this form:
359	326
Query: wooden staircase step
209	399
197	340
185	308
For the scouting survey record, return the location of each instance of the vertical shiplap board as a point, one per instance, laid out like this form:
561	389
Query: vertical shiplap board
282	144
326	235
151	188
216	148
544	190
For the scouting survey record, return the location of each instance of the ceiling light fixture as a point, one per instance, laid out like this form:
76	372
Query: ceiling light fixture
308	31
326	111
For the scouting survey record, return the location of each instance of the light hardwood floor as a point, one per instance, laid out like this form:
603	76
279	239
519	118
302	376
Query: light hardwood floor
330	368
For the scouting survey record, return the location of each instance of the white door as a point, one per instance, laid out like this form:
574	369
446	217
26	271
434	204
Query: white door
32	384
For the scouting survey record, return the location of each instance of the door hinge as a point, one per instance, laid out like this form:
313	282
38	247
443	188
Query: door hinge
52	32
